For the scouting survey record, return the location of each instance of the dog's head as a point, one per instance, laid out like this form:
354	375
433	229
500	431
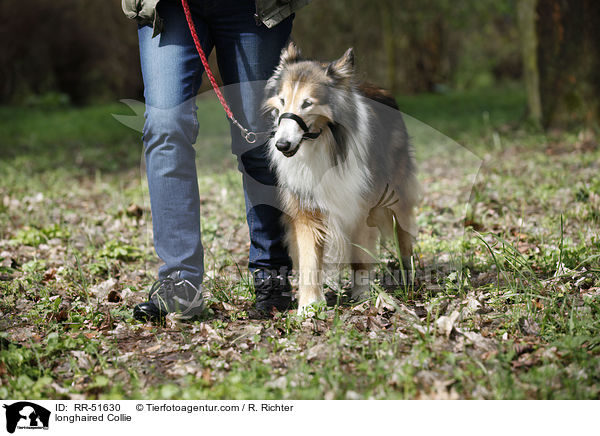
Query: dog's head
299	96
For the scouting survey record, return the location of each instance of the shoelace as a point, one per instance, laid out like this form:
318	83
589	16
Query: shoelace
168	283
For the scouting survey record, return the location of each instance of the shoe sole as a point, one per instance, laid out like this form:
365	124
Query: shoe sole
143	316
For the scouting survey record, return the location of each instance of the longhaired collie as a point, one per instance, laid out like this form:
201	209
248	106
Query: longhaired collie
345	167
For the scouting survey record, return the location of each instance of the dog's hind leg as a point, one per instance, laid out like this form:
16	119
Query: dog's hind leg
306	241
404	224
364	244
395	223
405	242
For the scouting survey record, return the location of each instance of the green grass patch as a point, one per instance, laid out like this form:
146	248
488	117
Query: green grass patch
505	303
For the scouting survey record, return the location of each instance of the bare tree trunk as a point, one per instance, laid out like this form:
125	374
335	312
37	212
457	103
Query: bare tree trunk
389	44
526	11
569	61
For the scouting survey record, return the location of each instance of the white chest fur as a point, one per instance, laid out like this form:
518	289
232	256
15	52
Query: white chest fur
336	190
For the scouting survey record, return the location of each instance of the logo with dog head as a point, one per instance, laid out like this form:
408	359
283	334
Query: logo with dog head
26	415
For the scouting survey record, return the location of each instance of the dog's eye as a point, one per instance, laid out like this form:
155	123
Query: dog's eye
282	101
307	103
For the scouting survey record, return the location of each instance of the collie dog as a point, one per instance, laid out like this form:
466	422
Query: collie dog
345	167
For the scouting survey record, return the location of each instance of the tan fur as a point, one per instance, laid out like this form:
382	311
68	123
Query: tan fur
336	210
296	92
306	239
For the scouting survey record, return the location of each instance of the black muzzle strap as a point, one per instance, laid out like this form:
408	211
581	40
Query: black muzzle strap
307	133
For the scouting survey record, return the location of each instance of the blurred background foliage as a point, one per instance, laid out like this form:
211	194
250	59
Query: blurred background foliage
85	51
55	51
417	45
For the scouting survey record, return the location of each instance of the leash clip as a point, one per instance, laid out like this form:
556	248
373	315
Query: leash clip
250	137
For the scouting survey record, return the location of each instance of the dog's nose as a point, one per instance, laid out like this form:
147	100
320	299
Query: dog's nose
283	145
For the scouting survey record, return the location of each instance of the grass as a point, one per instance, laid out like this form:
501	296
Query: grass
474	113
505	305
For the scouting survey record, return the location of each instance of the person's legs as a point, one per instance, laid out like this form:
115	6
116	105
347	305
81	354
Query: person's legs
172	74
247	55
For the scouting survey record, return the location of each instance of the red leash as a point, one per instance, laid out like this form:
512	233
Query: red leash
249	136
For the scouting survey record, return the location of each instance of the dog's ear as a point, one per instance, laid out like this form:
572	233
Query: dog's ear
289	55
343	68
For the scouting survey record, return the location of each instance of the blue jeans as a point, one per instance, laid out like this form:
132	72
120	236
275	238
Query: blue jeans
247	55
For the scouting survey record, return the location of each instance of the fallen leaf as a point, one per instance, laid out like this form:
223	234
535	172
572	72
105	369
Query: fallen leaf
375	323
477	340
114	296
385	302
206	375
314	325
62	315
445	324
102	289
441	391
83	360
128	295
522	348
153	349
49	274
248	331
472	306
351	395
228	307
230	354
361	307
135	211
489	354
318	352
278	383
529	327
173	322
525	361
206	331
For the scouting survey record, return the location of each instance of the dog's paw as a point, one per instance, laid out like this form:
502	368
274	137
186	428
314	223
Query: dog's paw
307	311
311	309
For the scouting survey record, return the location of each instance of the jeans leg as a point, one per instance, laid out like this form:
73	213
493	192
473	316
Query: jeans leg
172	74
247	56
267	246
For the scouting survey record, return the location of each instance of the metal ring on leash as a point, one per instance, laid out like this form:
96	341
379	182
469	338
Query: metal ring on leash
249	136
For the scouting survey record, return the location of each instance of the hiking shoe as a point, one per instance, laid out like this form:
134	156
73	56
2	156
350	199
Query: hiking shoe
172	294
272	291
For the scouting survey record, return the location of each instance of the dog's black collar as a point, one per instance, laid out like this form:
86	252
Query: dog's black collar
307	133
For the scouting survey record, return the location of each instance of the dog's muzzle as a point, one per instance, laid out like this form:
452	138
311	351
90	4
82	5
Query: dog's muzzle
285	146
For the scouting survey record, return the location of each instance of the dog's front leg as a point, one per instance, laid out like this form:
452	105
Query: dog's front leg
308	238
